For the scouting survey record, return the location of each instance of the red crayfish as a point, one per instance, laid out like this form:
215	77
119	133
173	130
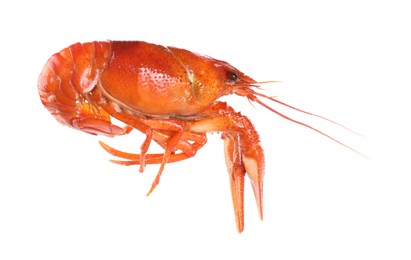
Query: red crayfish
169	94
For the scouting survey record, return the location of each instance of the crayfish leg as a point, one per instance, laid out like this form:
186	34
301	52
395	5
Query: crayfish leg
171	145
144	148
135	159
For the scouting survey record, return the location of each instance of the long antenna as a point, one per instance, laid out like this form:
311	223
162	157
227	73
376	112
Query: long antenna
252	97
306	112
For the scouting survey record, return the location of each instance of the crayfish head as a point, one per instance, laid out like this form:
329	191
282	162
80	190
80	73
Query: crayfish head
232	80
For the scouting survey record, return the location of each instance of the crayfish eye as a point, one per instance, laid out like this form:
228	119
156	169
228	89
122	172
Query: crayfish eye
232	77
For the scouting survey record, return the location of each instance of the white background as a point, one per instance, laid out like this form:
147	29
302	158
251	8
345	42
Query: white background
60	197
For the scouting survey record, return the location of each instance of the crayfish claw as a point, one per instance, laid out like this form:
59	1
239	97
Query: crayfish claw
236	173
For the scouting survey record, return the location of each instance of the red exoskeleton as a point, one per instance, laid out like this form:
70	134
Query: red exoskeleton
169	94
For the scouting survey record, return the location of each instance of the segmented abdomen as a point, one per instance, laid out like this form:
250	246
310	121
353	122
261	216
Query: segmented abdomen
69	77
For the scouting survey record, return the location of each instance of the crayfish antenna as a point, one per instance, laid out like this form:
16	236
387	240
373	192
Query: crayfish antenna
303	111
252	96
